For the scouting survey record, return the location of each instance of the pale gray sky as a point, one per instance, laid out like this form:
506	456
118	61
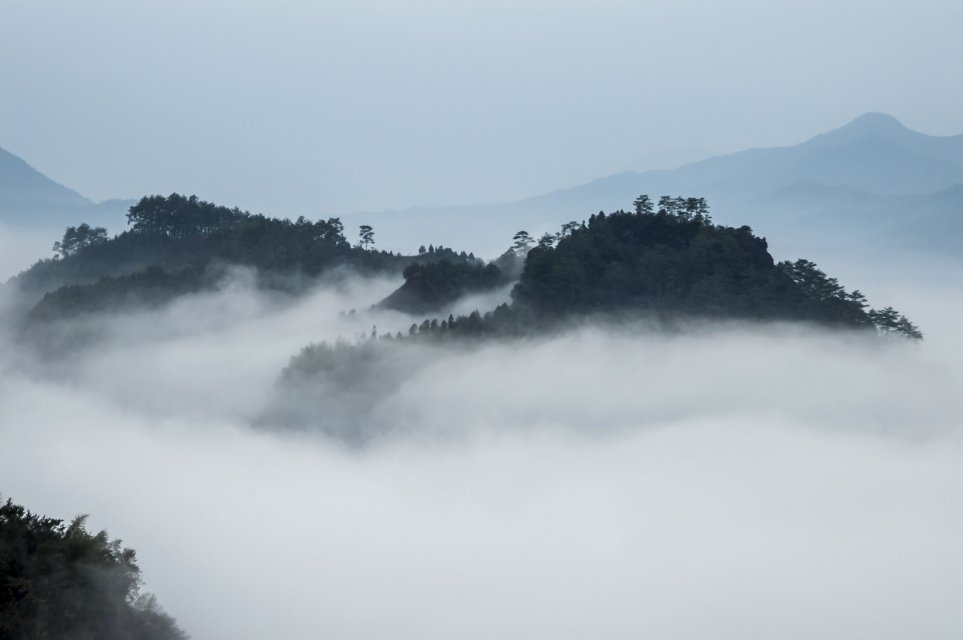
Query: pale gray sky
322	108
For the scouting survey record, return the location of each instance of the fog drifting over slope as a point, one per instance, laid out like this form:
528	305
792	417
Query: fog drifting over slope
742	481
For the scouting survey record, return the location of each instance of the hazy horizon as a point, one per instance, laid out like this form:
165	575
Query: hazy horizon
325	109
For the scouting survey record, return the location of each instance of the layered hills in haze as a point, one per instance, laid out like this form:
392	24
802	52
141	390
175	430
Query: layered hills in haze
872	182
25	189
30	199
665	260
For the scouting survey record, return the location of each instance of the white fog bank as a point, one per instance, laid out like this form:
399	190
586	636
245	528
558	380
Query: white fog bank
737	482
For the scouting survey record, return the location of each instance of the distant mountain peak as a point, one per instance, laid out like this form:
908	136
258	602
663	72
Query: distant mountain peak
23	188
872	125
874	122
29	198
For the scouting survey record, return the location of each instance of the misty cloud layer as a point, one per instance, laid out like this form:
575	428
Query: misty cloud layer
728	482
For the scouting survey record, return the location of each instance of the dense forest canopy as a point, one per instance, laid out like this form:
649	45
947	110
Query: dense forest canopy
175	231
663	259
666	263
674	261
60	582
429	286
177	244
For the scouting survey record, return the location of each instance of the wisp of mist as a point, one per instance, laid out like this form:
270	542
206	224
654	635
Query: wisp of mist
737	481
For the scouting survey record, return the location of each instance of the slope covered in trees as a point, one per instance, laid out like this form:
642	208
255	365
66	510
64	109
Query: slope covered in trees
430	286
146	288
60	582
665	264
176	231
672	261
175	244
663	261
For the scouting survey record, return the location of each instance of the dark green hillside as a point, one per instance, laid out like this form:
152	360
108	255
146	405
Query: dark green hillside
666	263
173	243
149	287
429	287
674	262
176	231
59	582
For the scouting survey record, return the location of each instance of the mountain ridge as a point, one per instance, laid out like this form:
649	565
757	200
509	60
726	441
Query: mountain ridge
28	198
873	161
866	169
23	185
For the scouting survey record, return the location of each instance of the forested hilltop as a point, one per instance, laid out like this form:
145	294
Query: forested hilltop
60	582
664	264
663	261
177	244
430	286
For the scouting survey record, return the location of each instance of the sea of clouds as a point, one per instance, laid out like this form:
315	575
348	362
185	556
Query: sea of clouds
737	481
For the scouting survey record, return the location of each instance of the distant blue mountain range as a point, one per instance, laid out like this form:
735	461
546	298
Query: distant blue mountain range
870	184
30	199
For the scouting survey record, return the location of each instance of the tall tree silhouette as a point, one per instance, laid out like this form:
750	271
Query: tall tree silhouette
366	233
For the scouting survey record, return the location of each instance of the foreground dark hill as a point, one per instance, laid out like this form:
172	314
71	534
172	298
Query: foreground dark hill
873	181
60	582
